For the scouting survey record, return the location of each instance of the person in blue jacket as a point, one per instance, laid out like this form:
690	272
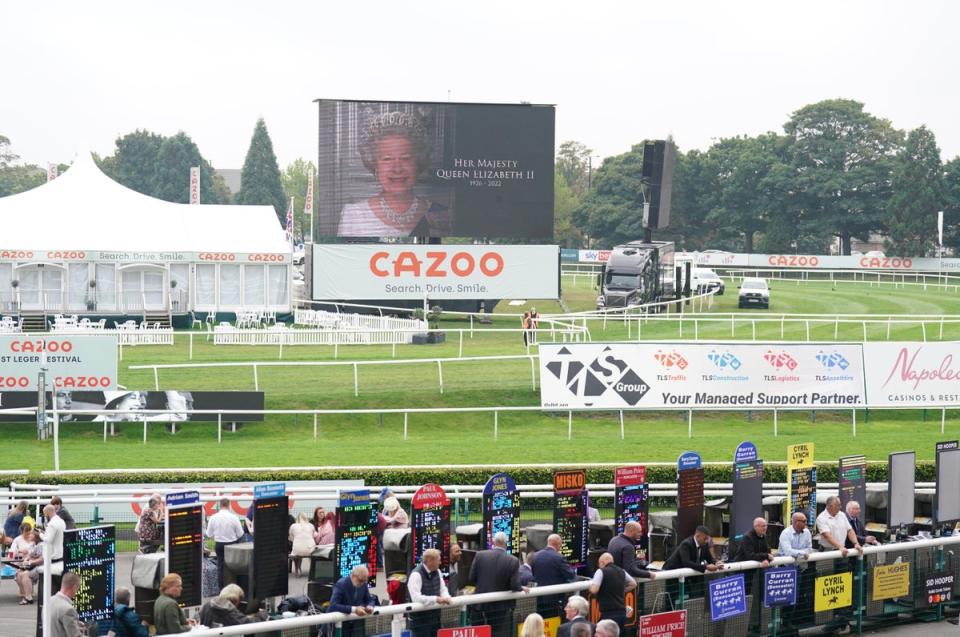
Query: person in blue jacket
352	596
126	622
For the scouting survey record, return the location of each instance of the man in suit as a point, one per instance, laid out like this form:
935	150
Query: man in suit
492	571
549	569
623	548
853	514
753	547
64	621
351	596
453	580
576	612
694	553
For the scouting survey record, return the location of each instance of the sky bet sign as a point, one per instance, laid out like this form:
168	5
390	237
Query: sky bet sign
655	375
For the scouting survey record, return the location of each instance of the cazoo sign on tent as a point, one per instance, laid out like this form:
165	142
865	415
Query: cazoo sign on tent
625	375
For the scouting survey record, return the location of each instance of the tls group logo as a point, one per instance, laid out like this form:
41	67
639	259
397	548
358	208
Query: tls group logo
590	381
833	360
780	360
724	360
673	359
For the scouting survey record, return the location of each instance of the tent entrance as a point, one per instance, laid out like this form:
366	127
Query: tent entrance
41	287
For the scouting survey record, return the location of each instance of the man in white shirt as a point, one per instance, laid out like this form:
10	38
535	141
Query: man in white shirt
223	528
53	537
835	530
426	586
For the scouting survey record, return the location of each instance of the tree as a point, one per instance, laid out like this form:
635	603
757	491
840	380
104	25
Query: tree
295	185
565	233
260	178
159	166
918	193
574	165
842	160
747	182
612	211
951	206
134	162
13	178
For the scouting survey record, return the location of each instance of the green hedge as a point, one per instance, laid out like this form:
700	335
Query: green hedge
826	472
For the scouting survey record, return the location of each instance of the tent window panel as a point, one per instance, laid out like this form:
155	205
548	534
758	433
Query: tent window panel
30	286
229	285
277	279
77	276
206	285
254	291
131	286
52	288
180	295
7	293
106	291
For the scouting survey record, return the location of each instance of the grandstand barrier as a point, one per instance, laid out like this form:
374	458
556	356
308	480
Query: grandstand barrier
685	589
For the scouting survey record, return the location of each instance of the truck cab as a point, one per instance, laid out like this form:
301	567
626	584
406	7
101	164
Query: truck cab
637	273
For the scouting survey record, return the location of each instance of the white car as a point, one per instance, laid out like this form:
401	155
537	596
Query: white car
754	292
705	280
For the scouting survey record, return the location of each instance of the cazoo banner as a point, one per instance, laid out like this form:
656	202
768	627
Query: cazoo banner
703	375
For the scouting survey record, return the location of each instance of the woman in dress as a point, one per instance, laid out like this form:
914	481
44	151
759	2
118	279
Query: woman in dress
395	150
301	537
28	550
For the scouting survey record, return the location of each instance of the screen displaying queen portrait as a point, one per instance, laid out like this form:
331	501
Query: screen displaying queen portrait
418	169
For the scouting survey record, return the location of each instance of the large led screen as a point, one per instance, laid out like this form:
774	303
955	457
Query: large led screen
424	169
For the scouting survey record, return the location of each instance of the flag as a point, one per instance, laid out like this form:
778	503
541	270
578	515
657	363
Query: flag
308	203
51	172
195	185
290	222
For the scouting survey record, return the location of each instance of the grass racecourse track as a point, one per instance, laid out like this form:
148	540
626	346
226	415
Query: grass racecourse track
468	438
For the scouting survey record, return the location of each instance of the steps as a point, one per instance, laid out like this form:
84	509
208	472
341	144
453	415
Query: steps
163	318
34	321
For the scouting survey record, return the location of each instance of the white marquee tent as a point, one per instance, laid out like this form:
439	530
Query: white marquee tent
83	243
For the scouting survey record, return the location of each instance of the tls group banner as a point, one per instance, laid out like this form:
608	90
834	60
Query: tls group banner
623	375
381	271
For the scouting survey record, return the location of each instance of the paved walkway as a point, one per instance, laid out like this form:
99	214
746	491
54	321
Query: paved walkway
20	621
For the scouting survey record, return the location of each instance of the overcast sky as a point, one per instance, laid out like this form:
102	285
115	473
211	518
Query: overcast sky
78	74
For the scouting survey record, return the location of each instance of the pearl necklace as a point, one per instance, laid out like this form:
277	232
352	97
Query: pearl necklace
400	218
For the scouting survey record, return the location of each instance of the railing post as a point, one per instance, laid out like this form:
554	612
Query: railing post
775	433
621	425
219	427
569	425
256	378
854	423
440	374
56	437
943	419
356	381
496	425
689	423
156	378
533	374
315	427
405	419
460	352
191	346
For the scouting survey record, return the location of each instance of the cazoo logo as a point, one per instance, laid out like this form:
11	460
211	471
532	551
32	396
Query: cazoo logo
590	381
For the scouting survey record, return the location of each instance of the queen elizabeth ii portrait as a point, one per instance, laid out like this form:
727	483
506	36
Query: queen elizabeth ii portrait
395	148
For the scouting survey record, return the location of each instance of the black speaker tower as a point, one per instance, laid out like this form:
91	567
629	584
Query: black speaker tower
658	161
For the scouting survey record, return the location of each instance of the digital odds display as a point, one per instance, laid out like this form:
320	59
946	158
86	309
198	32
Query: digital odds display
431	524
271	525
428	169
501	511
570	514
185	550
355	539
91	554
